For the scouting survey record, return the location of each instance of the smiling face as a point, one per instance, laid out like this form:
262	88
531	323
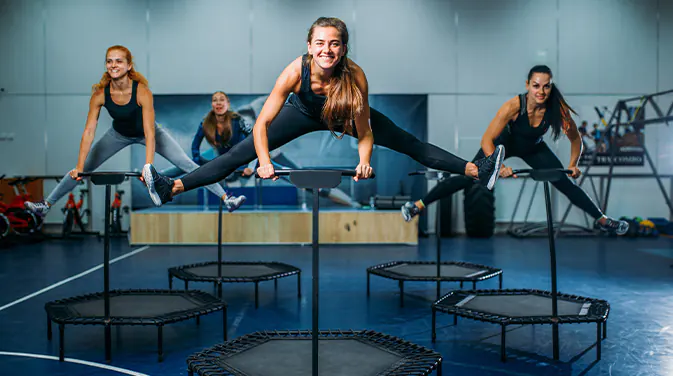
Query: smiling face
539	87
117	64
220	103
326	47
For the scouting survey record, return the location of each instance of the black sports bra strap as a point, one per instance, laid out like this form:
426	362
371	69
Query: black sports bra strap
522	103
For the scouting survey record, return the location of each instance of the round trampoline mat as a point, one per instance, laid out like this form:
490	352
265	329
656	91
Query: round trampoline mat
347	357
524	305
430	270
233	270
136	306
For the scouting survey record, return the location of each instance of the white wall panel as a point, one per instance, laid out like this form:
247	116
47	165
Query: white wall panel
22	45
499	41
608	46
407	46
22	146
200	46
79	33
665	45
279	31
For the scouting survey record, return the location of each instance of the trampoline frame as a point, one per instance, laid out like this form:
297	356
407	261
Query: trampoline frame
181	273
417	360
56	312
381	271
376	269
545	176
598	313
59	312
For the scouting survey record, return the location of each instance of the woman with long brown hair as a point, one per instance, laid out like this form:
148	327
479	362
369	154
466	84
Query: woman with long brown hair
327	91
125	94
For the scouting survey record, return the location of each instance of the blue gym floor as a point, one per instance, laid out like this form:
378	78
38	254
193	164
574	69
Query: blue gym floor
633	275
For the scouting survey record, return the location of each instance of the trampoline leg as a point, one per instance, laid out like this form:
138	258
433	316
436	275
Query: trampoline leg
367	284
275	284
500	281
198	320
48	328
219	290
555	340
439	369
186	285
605	329
170	282
299	284
503	355
401	283
434	324
455	320
256	295
161	342
598	341
224	322
108	342
61	342
474	285
461	285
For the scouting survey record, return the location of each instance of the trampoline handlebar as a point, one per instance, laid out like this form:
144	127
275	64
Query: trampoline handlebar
529	170
87	174
287	172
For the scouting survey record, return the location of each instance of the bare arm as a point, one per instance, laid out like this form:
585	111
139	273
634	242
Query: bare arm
146	102
363	126
575	138
285	84
95	103
502	117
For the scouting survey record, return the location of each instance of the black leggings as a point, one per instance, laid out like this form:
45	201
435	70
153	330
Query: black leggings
292	123
539	156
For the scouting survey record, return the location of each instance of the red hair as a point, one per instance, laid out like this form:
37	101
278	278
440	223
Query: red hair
133	75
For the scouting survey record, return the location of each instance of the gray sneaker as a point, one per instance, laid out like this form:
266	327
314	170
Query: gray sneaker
489	167
232	203
612	226
40	208
409	210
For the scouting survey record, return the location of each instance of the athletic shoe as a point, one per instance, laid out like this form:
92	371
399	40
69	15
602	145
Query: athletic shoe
159	187
612	226
232	203
40	208
489	167
409	210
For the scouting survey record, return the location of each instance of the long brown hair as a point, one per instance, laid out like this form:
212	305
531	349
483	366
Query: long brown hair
133	74
209	124
344	98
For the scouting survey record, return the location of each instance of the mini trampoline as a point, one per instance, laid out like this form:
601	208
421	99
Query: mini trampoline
451	271
433	271
219	272
528	306
347	353
127	307
315	352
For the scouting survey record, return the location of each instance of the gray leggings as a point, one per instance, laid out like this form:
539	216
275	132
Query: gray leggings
112	142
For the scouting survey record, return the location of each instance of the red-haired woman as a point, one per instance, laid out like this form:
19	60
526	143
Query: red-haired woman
125	94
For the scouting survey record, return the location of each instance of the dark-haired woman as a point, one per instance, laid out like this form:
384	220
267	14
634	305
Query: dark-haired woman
327	91
520	125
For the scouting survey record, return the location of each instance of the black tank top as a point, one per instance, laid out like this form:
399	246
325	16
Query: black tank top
127	120
306	101
519	133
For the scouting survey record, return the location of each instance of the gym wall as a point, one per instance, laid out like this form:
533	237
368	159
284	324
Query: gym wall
468	56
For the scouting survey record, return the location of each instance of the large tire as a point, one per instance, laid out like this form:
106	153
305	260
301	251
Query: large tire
479	211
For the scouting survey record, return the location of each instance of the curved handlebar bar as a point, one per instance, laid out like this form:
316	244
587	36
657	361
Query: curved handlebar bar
542	170
286	172
104	173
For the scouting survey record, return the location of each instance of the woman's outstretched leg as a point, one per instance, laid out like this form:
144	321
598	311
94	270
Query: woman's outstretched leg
544	158
287	126
389	135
